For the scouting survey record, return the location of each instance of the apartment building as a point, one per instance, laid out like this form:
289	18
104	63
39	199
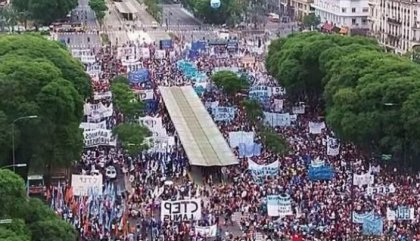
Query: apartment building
395	23
351	14
296	9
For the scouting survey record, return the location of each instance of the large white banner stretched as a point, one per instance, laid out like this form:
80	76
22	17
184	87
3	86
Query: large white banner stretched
333	147
83	185
181	210
100	137
86	126
279	205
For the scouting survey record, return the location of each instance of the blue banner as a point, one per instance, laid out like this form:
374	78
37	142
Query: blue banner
151	106
276	119
221	113
320	173
199	45
199	90
232	45
166	44
139	76
373	226
249	150
261	171
360	217
190	71
260	93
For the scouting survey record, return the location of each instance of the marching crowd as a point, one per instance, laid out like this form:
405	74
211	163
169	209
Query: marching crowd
321	209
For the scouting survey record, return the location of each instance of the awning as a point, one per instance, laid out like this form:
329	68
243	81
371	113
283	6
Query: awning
327	26
344	30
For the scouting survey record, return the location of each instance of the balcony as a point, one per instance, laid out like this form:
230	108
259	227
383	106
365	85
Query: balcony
394	36
372	2
394	21
416	26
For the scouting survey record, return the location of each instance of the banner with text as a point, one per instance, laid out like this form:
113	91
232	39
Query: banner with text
181	210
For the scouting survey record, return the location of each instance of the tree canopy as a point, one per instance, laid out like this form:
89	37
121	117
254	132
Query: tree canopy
370	97
39	77
31	219
99	7
131	134
44	11
229	82
228	12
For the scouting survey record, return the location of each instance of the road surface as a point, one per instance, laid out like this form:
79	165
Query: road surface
176	15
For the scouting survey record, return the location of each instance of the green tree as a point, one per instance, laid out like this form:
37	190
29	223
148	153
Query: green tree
253	110
132	137
154	9
229	82
126	101
32	219
99	7
311	20
45	11
41	80
273	141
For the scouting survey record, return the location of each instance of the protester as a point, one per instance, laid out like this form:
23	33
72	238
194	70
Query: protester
234	199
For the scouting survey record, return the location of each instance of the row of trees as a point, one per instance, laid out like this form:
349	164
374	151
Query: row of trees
40	78
371	98
24	219
229	12
154	9
99	7
43	12
131	134
235	87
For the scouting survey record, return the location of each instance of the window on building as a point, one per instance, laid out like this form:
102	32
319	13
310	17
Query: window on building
365	10
353	21
343	10
353	10
364	21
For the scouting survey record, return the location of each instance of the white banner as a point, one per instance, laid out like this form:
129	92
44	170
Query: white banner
279	205
102	95
83	185
88	59
210	231
363	179
181	210
86	126
99	137
145	53
278	105
123	52
78	53
278	91
298	109
316	127
380	189
145	94
333	148
154	124
160	54
98	112
403	213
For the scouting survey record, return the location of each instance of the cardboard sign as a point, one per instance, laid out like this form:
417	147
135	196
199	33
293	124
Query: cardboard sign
83	185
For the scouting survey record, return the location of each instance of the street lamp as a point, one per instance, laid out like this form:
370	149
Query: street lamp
13	136
5	221
15	165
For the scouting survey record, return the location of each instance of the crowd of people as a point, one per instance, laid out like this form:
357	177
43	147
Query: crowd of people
232	198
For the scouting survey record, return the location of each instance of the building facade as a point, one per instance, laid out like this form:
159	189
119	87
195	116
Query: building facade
395	24
352	14
296	9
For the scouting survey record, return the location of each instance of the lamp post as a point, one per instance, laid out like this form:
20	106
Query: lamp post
14	165
13	136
